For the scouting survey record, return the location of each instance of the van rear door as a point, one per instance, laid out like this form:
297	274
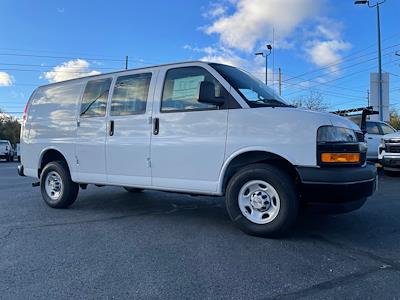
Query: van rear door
91	132
129	129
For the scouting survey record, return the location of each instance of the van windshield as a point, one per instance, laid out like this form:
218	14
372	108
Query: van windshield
253	90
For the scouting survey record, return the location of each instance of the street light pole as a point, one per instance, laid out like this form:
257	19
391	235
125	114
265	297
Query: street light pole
379	63
378	19
266	54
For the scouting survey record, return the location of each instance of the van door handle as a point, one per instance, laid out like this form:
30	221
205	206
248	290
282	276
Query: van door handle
156	126
111	128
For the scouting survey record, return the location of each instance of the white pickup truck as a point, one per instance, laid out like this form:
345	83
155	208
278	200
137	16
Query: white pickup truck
6	150
196	128
389	152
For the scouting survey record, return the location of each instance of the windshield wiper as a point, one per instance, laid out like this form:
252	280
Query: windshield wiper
272	103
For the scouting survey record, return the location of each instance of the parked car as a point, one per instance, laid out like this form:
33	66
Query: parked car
196	128
6	150
376	130
389	152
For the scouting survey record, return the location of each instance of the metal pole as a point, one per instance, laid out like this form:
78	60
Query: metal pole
379	64
126	62
266	69
280	81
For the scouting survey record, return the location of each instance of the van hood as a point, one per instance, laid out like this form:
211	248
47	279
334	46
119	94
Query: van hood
333	119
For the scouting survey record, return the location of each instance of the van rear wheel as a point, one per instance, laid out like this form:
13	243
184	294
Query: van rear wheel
262	200
57	188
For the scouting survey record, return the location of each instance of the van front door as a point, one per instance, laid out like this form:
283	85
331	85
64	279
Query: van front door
188	140
129	130
91	132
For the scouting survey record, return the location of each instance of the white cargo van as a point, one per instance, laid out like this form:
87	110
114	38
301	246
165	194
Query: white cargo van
197	128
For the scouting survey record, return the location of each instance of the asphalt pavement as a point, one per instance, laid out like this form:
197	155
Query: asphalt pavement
155	245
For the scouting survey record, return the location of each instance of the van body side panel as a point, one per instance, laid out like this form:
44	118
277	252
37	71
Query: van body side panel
51	124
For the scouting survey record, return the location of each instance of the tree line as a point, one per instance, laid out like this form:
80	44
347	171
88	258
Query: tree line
9	128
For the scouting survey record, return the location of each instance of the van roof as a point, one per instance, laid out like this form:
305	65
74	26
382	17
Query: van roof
127	70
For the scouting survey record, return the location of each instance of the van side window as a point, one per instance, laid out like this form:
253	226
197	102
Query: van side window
372	128
181	88
130	94
94	101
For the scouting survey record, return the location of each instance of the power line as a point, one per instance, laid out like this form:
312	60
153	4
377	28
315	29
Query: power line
346	58
298	86
52	66
342	77
60	57
349	66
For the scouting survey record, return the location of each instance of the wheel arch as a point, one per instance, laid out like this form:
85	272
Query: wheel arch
48	155
246	157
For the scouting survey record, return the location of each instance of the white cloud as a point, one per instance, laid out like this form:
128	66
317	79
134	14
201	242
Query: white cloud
222	55
216	10
69	70
324	53
6	79
253	21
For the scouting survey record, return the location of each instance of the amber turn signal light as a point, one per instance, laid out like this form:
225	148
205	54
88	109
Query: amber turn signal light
340	157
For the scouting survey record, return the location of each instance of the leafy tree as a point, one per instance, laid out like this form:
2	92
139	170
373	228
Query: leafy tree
395	119
9	128
314	101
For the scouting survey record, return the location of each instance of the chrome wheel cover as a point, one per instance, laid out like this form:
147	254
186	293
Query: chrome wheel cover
259	202
53	185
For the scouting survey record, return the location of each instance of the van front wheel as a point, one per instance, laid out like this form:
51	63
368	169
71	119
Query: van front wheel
58	190
262	200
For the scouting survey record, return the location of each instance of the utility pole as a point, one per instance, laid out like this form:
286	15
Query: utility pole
126	62
266	54
280	81
368	96
378	19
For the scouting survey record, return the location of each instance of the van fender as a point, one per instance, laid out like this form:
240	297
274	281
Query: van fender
241	151
43	152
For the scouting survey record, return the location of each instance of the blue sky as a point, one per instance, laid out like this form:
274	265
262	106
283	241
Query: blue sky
324	46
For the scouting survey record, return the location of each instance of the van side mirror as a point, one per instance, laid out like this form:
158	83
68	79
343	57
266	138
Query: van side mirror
207	94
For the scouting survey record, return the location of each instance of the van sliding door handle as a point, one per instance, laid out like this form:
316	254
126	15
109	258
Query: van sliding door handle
156	126
111	128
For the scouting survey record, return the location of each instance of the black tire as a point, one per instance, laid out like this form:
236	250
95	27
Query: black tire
69	191
132	189
8	158
19	158
284	186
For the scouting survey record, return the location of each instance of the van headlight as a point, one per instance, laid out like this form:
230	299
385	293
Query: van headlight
333	134
339	146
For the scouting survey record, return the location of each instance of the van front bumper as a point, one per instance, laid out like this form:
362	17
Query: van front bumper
337	189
